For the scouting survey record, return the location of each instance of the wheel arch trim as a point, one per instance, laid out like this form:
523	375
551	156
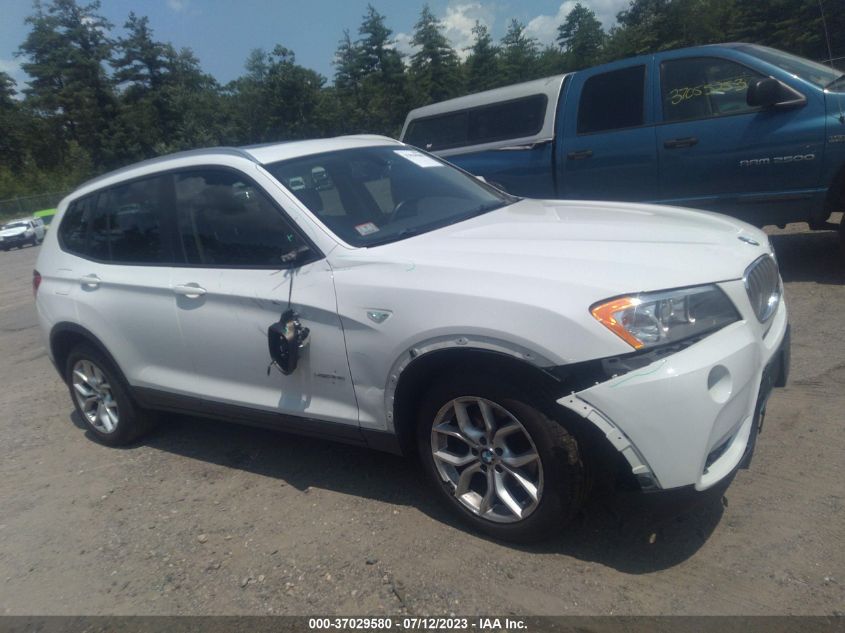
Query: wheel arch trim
428	350
639	466
68	327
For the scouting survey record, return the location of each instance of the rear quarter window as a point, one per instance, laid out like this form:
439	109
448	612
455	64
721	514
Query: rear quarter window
518	118
74	226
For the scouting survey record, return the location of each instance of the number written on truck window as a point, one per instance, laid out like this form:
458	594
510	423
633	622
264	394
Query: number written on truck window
704	87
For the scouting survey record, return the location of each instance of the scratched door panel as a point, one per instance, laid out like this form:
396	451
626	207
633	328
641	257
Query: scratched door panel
236	281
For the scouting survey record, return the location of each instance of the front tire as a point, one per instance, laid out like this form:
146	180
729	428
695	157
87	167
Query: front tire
498	460
102	399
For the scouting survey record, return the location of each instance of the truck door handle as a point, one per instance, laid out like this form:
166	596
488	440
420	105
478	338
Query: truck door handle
675	143
191	290
90	281
581	154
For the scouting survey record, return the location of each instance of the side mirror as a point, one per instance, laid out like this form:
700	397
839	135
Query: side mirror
764	93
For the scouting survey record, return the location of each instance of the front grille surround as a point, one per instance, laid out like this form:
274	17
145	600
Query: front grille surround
762	283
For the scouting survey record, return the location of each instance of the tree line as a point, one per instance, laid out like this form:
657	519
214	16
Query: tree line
96	100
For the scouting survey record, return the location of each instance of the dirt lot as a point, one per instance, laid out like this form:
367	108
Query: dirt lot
209	518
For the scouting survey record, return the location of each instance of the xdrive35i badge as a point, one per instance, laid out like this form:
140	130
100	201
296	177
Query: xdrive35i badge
748	240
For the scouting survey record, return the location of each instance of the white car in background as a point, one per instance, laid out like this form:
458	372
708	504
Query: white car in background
388	299
18	233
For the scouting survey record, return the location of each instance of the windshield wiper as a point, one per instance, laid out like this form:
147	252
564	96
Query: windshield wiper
409	232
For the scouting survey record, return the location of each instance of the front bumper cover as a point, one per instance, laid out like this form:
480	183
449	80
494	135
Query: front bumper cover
691	419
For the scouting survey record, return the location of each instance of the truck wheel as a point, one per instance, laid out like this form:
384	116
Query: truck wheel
102	398
497	460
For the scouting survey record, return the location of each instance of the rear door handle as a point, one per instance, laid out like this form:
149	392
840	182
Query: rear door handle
676	143
581	154
190	290
90	281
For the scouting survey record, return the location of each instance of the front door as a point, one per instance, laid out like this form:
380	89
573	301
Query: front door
235	283
719	153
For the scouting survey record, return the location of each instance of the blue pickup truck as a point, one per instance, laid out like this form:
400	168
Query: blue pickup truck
745	130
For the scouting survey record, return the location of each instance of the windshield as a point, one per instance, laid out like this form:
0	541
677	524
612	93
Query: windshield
15	225
813	72
373	195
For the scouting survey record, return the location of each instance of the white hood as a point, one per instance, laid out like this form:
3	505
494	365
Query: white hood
18	230
613	248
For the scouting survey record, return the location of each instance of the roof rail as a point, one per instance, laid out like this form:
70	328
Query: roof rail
206	151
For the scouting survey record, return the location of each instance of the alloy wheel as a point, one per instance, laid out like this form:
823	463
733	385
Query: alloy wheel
94	396
488	459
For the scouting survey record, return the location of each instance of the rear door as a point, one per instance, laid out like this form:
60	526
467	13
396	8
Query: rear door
608	150
233	283
719	153
120	280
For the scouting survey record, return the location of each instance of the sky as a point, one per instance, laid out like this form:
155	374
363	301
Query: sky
223	32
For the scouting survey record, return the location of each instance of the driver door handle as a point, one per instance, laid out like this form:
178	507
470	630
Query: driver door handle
190	290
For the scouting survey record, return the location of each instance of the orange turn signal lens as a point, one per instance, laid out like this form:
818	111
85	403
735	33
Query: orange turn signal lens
605	314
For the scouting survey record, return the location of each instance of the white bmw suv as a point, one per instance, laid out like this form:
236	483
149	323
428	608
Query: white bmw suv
394	301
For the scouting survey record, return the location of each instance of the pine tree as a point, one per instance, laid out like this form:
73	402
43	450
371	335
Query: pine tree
434	66
482	66
518	55
141	67
581	37
66	51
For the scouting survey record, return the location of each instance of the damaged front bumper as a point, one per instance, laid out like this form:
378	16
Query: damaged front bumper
691	418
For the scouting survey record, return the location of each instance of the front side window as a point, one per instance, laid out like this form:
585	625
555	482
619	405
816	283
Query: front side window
224	220
704	87
613	100
373	195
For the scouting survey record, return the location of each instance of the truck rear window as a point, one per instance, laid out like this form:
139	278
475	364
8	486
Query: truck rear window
506	120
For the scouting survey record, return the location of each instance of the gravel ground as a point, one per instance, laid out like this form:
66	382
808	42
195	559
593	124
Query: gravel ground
209	518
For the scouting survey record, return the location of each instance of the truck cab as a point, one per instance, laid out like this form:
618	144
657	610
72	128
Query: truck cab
741	129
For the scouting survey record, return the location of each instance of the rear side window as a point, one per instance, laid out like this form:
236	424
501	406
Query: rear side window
129	223
121	225
612	101
518	118
224	220
704	87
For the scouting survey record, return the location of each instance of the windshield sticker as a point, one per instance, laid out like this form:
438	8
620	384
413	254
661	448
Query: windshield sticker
367	228
418	158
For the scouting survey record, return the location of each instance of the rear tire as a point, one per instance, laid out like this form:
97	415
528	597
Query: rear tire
102	400
497	459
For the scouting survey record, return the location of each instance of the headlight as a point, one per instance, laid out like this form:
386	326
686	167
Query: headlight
656	318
